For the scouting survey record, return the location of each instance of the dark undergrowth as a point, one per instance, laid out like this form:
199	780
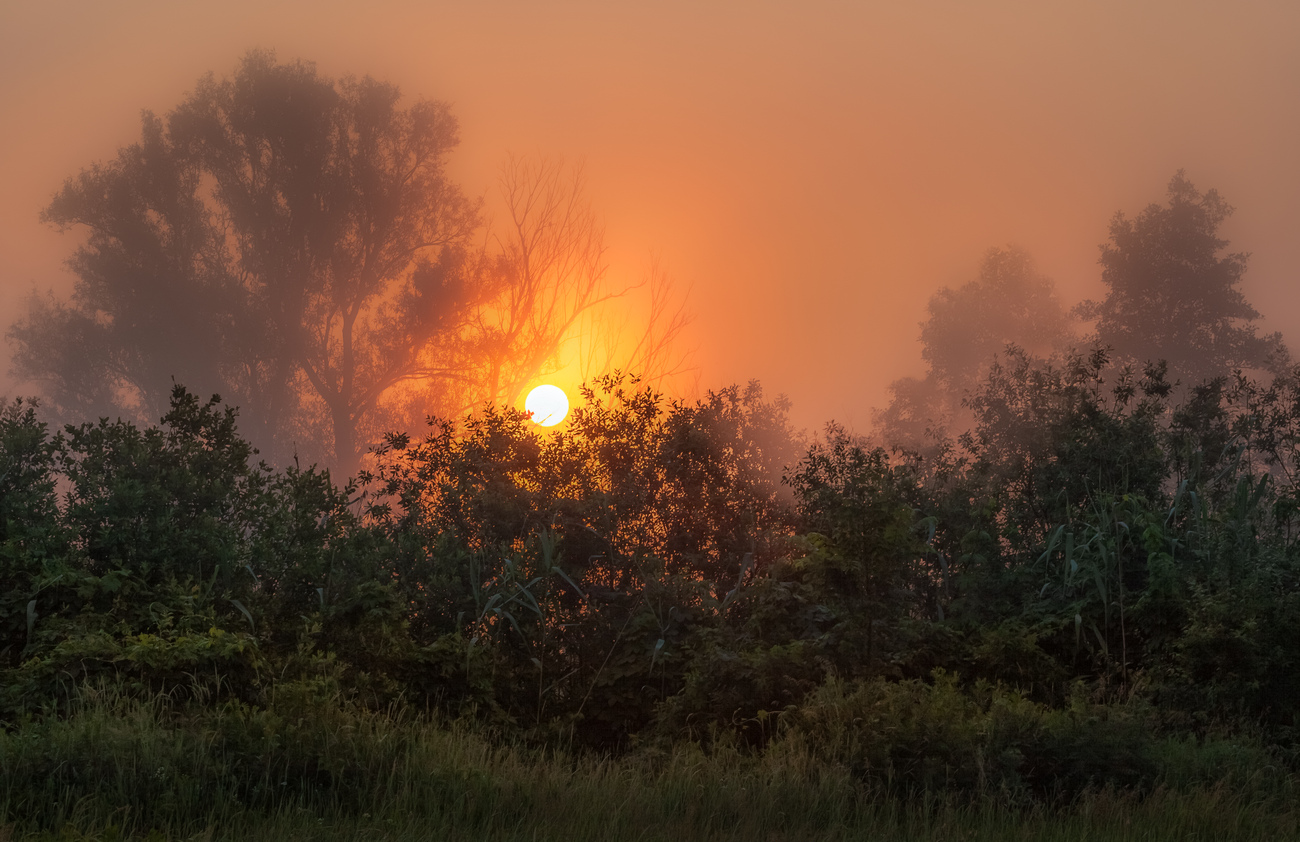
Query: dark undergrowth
117	767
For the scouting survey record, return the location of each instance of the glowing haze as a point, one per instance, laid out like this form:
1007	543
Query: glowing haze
812	171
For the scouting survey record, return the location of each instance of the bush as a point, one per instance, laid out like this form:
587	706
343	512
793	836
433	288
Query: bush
914	736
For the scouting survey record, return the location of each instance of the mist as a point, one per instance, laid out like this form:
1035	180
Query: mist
812	176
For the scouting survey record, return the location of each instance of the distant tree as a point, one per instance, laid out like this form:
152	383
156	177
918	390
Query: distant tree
1173	293
1009	303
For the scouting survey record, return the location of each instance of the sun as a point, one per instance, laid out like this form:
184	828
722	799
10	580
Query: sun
548	404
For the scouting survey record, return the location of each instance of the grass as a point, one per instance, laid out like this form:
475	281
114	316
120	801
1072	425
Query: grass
119	768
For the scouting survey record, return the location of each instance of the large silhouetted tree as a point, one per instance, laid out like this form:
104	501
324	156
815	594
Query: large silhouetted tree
287	240
1172	291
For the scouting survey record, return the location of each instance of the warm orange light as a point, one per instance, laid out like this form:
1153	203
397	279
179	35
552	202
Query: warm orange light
548	405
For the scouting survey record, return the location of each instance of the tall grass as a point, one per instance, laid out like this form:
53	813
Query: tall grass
120	768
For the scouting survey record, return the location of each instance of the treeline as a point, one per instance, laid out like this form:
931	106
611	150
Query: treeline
1091	570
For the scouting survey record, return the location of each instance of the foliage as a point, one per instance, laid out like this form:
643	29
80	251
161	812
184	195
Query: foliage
30	539
1093	589
916	736
171	555
294	243
314	766
592	555
1086	584
280	237
869	558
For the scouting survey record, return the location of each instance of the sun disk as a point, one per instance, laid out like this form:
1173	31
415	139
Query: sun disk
548	405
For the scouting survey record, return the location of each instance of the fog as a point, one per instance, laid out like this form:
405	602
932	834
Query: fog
811	172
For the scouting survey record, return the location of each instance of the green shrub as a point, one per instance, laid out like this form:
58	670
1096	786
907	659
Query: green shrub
916	736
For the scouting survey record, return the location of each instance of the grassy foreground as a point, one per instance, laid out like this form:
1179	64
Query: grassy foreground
119	769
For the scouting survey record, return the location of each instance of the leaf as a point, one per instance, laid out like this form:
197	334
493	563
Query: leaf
501	612
247	615
111	582
747	561
572	584
930	525
1100	582
31	620
1051	543
659	644
1178	498
529	601
547	540
1100	638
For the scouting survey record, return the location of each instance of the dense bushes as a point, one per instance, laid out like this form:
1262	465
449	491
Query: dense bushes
918	736
1090	572
168	556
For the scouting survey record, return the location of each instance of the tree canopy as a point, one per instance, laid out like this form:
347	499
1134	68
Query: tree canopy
286	239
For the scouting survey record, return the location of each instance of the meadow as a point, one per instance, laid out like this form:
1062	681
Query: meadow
122	768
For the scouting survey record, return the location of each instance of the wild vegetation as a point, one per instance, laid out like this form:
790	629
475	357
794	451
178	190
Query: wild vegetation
1070	608
1093	592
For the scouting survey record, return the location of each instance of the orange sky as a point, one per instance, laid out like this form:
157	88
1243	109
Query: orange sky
815	171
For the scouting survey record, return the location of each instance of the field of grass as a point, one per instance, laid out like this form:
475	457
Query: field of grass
123	769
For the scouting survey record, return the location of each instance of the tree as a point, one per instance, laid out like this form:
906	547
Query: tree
1008	303
294	243
1173	294
553	291
290	241
550	268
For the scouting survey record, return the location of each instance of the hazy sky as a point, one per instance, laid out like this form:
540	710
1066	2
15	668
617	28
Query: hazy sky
814	170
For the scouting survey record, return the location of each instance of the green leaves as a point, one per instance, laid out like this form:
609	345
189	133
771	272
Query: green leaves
247	614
